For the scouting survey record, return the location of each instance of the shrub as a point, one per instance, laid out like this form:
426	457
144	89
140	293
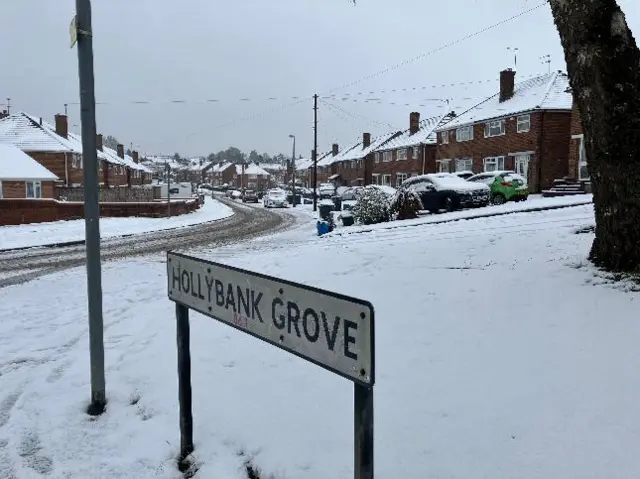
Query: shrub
405	205
371	207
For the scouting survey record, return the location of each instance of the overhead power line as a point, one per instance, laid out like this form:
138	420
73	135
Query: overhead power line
358	117
438	49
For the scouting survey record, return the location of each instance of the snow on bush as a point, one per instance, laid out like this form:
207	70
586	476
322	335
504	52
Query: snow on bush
405	205
372	206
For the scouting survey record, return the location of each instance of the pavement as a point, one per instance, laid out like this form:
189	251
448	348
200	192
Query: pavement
248	222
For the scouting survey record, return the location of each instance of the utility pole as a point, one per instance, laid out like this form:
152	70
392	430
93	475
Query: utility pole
84	34
314	155
293	171
168	166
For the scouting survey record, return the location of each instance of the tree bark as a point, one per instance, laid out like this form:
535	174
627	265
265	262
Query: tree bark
603	63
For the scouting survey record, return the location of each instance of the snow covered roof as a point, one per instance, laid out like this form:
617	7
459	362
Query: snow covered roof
359	153
544	92
217	168
16	165
425	135
251	169
303	164
28	134
330	159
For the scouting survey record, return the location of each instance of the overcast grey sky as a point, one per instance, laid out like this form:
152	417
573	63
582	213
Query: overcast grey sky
197	50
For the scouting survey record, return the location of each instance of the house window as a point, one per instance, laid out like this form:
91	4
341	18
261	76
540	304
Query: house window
494	163
387	156
583	172
524	123
416	153
522	165
353	163
401	178
401	154
0	190
494	128
464	164
375	178
443	166
76	161
464	133
444	137
386	180
378	157
33	189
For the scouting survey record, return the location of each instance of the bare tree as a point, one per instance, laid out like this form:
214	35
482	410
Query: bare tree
603	63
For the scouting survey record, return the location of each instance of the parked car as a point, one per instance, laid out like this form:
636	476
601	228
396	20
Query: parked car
350	194
275	198
235	194
445	191
249	196
505	185
465	175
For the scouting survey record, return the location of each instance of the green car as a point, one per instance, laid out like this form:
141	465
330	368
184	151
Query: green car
505	185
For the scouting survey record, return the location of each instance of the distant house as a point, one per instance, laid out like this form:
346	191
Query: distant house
524	127
329	167
251	176
408	153
277	171
23	177
222	173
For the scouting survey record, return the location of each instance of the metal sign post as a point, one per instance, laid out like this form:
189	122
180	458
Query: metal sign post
330	330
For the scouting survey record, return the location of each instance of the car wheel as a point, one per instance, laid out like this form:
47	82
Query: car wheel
498	199
449	204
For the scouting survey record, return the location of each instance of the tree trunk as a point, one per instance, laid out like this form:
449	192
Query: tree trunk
603	63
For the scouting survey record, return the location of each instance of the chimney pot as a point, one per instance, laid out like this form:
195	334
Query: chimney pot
121	151
366	140
135	156
99	142
62	126
507	84
334	149
414	122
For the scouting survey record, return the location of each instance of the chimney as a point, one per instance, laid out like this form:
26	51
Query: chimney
135	156
4	114
414	122
366	140
334	149
40	121
507	83
62	126
99	142
121	151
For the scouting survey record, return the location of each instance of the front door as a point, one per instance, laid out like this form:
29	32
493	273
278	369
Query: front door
522	165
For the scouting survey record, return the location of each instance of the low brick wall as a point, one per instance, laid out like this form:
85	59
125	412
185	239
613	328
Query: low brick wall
110	195
23	211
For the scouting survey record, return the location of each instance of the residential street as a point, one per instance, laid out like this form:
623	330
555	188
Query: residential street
247	222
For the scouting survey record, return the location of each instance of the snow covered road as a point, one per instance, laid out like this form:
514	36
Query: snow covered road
247	222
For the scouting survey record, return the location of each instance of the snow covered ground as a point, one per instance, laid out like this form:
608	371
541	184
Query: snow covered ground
39	234
500	353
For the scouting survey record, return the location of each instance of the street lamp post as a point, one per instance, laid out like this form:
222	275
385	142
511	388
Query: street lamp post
293	169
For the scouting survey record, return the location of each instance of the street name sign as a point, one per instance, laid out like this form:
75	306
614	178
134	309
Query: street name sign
328	329
331	330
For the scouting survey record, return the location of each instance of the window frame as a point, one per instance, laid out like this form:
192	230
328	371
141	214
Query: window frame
37	189
402	154
387	156
467	161
444	137
464	133
403	176
378	157
495	159
386	176
520	120
491	124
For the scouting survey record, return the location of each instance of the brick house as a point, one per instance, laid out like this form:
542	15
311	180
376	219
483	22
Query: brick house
329	167
23	177
251	176
222	173
577	153
408	153
323	172
524	128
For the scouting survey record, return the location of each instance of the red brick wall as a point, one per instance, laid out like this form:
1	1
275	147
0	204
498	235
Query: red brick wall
54	162
18	189
21	211
411	166
547	138
576	122
554	158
